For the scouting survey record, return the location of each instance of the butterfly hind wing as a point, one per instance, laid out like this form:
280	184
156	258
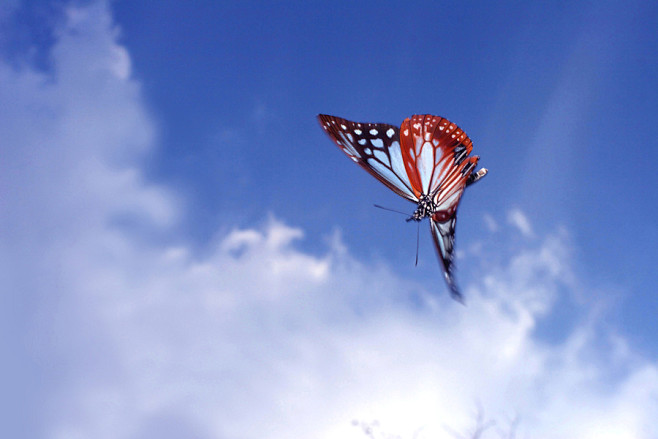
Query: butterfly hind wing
443	234
448	195
375	147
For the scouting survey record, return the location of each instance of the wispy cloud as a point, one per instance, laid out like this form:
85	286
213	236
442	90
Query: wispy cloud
519	220
255	338
490	222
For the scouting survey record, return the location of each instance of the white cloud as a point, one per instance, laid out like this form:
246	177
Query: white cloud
518	219
256	338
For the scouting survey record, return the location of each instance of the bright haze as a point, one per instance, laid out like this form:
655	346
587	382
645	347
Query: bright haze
185	254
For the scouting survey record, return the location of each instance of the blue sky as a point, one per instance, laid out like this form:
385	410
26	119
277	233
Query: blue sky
186	254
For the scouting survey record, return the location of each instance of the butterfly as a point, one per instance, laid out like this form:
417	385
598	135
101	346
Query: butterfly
426	160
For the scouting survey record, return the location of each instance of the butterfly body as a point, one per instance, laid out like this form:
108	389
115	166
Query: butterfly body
426	160
426	208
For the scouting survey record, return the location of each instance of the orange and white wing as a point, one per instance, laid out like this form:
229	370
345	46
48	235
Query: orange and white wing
435	153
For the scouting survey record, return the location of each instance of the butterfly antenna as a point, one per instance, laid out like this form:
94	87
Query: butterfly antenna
417	242
390	210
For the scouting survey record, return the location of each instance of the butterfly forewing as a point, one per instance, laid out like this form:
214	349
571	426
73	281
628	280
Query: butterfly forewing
435	153
431	147
375	147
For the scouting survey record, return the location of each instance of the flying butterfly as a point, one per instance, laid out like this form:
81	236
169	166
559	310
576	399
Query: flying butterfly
426	161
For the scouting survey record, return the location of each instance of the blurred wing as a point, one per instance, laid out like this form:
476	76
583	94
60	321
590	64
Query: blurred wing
435	153
443	234
375	147
476	176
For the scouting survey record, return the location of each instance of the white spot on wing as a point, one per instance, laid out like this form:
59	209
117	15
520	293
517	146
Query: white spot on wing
343	126
373	132
377	143
362	141
358	132
390	133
